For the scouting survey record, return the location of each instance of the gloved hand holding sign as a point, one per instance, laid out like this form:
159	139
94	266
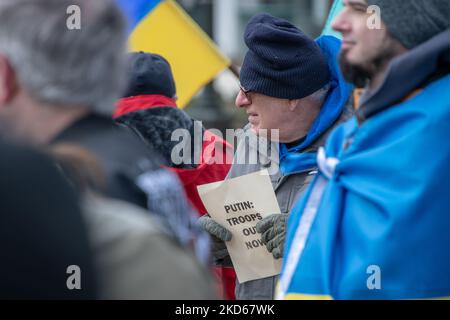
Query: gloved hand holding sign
219	235
273	231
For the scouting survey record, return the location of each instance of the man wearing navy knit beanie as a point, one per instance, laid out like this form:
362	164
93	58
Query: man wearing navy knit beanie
292	84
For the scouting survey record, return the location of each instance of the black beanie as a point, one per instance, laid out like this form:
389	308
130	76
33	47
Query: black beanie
149	74
282	62
413	22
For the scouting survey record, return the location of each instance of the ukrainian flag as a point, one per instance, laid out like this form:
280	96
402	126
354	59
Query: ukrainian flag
163	27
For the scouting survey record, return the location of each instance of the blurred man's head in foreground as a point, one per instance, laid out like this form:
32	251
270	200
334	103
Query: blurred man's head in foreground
50	74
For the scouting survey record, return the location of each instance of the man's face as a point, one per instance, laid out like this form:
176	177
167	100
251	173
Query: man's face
365	51
263	112
270	113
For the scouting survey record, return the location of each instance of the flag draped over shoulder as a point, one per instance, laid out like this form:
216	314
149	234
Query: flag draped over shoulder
163	27
370	231
374	222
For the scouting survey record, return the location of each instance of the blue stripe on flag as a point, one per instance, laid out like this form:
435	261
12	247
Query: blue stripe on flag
136	10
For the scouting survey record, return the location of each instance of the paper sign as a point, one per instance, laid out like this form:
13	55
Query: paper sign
239	204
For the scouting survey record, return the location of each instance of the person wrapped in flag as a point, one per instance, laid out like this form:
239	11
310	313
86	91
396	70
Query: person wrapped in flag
374	223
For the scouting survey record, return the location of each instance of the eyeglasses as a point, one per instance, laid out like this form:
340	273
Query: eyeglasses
246	93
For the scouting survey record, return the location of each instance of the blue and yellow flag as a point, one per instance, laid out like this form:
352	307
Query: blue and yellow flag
374	222
163	27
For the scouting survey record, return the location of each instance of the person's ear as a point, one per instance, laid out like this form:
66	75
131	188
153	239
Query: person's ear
294	104
175	98
7	81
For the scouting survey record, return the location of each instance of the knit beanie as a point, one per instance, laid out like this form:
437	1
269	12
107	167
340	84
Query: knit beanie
282	62
413	22
149	74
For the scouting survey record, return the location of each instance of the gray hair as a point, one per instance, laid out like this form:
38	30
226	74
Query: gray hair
59	66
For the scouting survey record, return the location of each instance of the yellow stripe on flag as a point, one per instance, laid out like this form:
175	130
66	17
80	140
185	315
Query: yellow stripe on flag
296	296
194	57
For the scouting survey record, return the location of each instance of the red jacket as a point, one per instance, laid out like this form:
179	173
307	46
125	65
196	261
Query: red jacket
147	115
207	171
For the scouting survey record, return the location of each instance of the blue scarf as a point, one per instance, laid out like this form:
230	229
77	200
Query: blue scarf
293	160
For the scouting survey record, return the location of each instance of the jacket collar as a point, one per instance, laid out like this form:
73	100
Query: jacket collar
144	102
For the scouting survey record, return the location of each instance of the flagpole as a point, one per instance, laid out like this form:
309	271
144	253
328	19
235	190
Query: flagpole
234	69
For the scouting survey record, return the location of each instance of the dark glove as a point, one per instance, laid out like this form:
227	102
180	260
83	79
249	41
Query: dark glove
219	235
273	231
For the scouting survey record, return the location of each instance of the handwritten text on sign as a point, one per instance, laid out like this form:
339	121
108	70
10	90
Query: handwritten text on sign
239	204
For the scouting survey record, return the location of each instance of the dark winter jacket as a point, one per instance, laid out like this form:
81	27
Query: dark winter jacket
42	231
118	151
134	172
